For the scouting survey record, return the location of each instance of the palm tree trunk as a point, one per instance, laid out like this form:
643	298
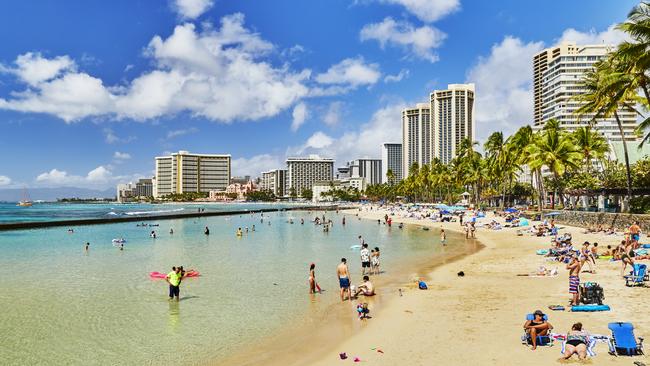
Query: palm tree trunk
627	158
644	87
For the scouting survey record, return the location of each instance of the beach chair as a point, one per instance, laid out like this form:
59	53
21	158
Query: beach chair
545	340
638	276
623	341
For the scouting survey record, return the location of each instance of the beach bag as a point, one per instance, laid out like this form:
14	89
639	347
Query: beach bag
422	285
591	293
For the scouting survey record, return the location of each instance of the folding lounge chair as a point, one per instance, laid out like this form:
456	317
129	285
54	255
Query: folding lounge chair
545	340
623	341
638	276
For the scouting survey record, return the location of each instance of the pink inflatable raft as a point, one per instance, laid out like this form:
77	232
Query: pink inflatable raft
159	275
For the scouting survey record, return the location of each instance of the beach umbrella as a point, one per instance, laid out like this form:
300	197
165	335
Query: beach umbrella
555	213
445	212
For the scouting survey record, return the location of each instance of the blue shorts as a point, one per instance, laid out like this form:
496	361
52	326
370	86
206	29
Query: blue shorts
344	282
635	237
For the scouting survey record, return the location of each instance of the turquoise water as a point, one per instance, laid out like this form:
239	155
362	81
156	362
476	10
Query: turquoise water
9	212
62	306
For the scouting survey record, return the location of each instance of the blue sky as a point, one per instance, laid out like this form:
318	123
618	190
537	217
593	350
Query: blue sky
90	92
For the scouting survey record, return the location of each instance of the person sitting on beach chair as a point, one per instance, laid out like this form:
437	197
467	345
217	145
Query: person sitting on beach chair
537	328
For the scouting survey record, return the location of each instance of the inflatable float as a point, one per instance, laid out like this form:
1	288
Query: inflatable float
355	247
590	307
164	275
119	241
646	246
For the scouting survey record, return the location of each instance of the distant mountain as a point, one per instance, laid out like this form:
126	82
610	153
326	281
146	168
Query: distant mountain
52	194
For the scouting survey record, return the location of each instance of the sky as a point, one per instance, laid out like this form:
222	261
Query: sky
92	91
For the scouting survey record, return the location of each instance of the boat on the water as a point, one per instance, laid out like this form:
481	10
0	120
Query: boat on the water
25	202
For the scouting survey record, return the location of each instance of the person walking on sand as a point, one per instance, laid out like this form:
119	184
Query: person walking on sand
174	280
364	253
574	280
443	237
344	279
472	229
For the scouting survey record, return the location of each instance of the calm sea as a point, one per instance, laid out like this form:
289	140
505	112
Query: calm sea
63	306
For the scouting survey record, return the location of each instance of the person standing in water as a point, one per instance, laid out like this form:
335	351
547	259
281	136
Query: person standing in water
364	253
343	221
87	246
174	280
207	231
344	278
443	237
313	285
171	231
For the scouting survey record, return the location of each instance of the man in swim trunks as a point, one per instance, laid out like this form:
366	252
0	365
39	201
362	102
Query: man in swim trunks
344	278
366	288
574	280
174	280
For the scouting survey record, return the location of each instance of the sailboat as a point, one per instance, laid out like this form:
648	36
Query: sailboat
25	202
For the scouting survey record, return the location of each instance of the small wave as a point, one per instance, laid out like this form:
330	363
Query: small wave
133	213
113	213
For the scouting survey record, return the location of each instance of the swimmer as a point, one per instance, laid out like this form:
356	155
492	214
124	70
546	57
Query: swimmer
206	231
239	232
87	246
343	274
171	231
253	229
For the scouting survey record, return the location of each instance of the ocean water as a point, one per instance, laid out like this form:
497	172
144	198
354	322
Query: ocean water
9	212
63	306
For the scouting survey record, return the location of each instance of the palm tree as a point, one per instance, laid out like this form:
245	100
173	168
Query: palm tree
556	151
602	99
592	144
495	153
633	58
390	176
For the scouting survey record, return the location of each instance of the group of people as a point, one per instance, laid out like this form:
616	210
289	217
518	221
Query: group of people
577	339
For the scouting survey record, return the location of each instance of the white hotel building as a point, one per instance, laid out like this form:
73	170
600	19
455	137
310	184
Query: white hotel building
303	172
557	76
436	129
275	181
391	159
183	172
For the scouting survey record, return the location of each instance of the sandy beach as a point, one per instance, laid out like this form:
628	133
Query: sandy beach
477	319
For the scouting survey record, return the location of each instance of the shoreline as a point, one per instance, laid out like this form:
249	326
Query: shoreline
333	325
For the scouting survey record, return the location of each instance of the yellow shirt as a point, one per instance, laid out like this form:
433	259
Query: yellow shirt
174	278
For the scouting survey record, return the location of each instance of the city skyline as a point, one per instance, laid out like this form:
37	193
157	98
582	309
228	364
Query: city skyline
70	106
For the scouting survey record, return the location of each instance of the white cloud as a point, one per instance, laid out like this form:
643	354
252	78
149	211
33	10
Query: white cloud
100	177
352	72
191	9
4	180
111	138
32	68
255	165
121	156
404	73
216	74
333	114
504	97
299	114
181	132
428	10
418	42
609	36
365	142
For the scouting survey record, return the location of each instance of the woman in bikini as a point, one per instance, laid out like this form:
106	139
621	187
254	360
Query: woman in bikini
576	342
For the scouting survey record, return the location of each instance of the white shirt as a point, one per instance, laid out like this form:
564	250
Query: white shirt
365	255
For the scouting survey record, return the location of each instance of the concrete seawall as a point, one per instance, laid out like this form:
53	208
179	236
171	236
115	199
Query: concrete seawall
114	220
618	220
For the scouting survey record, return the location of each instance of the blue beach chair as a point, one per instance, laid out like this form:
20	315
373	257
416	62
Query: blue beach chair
623	341
545	340
638	276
